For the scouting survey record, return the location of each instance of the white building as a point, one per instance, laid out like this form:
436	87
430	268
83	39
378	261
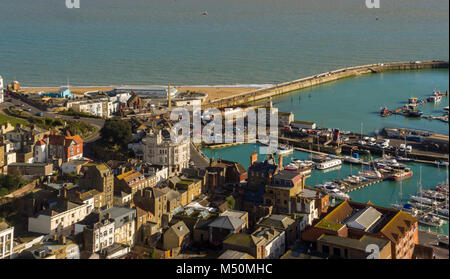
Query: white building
73	166
148	91
303	125
6	240
94	108
98	232
124	224
10	158
162	151
40	152
275	242
1	89
59	219
161	172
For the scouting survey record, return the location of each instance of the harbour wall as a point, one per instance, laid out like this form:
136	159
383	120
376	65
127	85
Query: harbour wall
322	78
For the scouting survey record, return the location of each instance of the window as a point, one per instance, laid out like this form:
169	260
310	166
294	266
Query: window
337	252
325	249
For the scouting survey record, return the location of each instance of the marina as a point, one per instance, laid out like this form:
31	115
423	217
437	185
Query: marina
382	191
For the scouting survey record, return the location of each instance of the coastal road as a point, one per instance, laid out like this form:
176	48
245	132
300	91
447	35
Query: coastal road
199	160
96	122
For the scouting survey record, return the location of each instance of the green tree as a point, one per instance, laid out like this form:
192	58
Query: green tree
11	181
230	202
116	131
3	192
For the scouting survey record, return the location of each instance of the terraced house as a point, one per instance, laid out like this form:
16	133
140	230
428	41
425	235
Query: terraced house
133	181
59	218
6	240
124	224
352	220
98	177
65	147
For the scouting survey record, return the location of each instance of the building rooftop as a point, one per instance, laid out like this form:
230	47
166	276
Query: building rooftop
120	215
130	176
235	255
227	222
234	213
180	229
363	219
242	240
4	226
359	244
277	221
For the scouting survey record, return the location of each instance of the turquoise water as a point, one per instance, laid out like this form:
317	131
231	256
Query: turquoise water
240	41
347	103
344	104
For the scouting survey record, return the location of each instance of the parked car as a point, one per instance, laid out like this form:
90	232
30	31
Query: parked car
39	114
27	109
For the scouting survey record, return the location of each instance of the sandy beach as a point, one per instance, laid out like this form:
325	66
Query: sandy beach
215	93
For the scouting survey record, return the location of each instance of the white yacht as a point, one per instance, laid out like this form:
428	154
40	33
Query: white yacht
285	149
328	164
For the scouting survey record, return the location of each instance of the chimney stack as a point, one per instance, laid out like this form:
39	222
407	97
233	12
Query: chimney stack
253	158
169	102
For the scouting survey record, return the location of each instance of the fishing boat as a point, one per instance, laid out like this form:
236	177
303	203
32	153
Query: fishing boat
388	161
370	174
305	171
443	211
414	113
413	100
385	112
441	163
429	220
205	13
303	163
400	175
339	195
354	179
320	158
423	200
435	97
406	207
352	160
442	189
285	149
328	164
403	159
434	195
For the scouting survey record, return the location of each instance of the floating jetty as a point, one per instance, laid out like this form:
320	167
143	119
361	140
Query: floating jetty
351	188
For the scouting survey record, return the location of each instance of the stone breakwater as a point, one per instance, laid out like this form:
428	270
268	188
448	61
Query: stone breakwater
322	78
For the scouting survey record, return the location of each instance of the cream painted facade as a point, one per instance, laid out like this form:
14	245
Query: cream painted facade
160	151
125	234
60	224
6	241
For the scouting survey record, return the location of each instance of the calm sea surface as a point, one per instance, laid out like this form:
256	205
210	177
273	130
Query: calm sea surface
239	41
